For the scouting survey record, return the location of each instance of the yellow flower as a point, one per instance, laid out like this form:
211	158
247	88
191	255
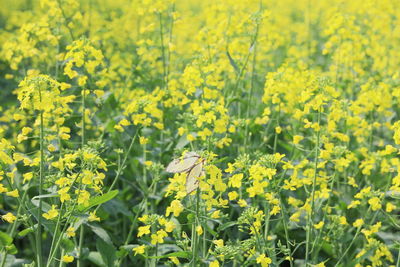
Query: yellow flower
358	223
83	197
236	180
342	220
190	137
214	264
233	195
216	214
2	189
139	249
242	203
219	243
174	260
143	140
390	207
169	226
9	217
13	193
92	217
181	131
199	230
52	213
26	130
70	231
319	225
176	208
158	238
375	203
263	260
297	139
51	148
67	258
143	230
148	163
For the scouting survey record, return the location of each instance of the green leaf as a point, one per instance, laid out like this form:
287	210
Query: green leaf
232	62
182	142
107	252
326	247
178	254
95	201
45	207
11	249
165	248
95	257
5	239
48	224
27	231
100	232
211	231
226	225
45	196
67	245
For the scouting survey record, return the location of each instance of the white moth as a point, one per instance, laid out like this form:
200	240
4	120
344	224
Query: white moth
192	164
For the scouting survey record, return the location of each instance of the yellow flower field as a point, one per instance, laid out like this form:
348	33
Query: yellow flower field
199	133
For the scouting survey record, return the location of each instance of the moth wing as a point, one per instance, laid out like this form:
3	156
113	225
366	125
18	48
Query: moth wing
192	181
181	165
190	154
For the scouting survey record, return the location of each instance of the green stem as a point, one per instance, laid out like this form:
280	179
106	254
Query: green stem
41	178
310	221
286	233
165	78
133	225
56	230
83	116
122	166
14	225
61	262
81	237
253	75
348	248
82	232
194	232
64	228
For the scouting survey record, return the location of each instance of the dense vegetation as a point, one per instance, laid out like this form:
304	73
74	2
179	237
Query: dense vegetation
278	121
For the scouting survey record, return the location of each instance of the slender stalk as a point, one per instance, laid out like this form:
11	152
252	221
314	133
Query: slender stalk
81	237
39	254
165	78
61	262
4	255
348	248
83	116
82	232
56	230
276	134
310	221
122	166
14	225
144	166
194	232
57	244
66	19
253	76
285	227
133	225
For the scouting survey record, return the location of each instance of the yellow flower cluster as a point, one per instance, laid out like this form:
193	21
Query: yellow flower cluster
290	110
